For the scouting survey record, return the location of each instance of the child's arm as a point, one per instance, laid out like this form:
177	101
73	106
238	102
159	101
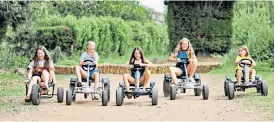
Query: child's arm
148	63
237	61
193	57
253	63
172	58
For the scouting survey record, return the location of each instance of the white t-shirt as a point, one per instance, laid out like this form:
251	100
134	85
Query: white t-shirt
40	64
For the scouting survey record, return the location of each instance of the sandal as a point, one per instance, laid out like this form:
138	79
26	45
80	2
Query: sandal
43	85
44	91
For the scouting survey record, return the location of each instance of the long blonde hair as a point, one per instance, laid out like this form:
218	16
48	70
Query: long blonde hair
190	50
244	47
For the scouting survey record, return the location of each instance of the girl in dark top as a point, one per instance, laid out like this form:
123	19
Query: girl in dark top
137	57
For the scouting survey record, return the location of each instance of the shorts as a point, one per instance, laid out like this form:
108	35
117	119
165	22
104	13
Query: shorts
183	70
92	72
39	74
133	75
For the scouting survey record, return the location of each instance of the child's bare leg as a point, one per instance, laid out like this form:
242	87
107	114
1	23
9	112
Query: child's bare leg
174	72
239	76
252	74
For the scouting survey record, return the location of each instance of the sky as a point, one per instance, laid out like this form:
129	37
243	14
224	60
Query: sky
157	5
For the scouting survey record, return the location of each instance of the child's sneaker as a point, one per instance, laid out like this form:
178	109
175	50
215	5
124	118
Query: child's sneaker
178	91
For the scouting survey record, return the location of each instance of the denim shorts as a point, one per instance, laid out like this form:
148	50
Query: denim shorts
92	72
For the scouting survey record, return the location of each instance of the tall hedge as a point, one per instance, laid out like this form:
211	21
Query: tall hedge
206	23
113	36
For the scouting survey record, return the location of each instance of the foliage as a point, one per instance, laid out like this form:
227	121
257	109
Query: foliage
205	23
253	26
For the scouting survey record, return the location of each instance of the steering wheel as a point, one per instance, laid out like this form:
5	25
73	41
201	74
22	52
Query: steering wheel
90	64
242	63
184	60
137	66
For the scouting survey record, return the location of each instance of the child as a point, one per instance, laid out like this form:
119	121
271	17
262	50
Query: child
137	57
184	46
244	53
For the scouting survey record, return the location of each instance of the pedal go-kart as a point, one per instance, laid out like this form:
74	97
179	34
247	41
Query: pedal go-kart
36	92
230	86
171	89
77	87
136	89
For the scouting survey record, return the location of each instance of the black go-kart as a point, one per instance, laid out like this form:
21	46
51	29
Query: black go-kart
136	89
77	87
36	95
170	89
230	86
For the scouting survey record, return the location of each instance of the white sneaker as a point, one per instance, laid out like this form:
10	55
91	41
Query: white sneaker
178	91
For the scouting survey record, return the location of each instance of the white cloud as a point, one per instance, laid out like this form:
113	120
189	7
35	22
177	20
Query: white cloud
157	5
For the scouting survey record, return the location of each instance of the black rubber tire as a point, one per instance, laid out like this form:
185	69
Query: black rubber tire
225	87
85	96
119	96
72	91
173	92
231	91
264	88
259	87
166	88
154	95
107	87
205	92
105	98
35	94
60	94
183	91
197	92
69	97
198	82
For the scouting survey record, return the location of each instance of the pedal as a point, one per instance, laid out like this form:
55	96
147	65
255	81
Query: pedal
79	84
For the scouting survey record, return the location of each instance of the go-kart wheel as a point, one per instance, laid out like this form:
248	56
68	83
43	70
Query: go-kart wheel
258	88
264	88
107	87
72	91
69	97
105	98
85	96
205	92
231	90
198	82
60	94
225	85
183	90
35	94
173	92
197	91
119	96
154	95
166	87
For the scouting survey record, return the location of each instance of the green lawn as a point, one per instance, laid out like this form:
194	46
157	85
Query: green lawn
12	94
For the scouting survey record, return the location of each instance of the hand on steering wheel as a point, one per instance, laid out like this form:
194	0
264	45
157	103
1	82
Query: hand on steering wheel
178	60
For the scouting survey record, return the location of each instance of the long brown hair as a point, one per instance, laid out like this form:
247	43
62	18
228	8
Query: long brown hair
36	59
190	50
133	58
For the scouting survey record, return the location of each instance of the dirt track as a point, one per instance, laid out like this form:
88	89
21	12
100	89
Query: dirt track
186	106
